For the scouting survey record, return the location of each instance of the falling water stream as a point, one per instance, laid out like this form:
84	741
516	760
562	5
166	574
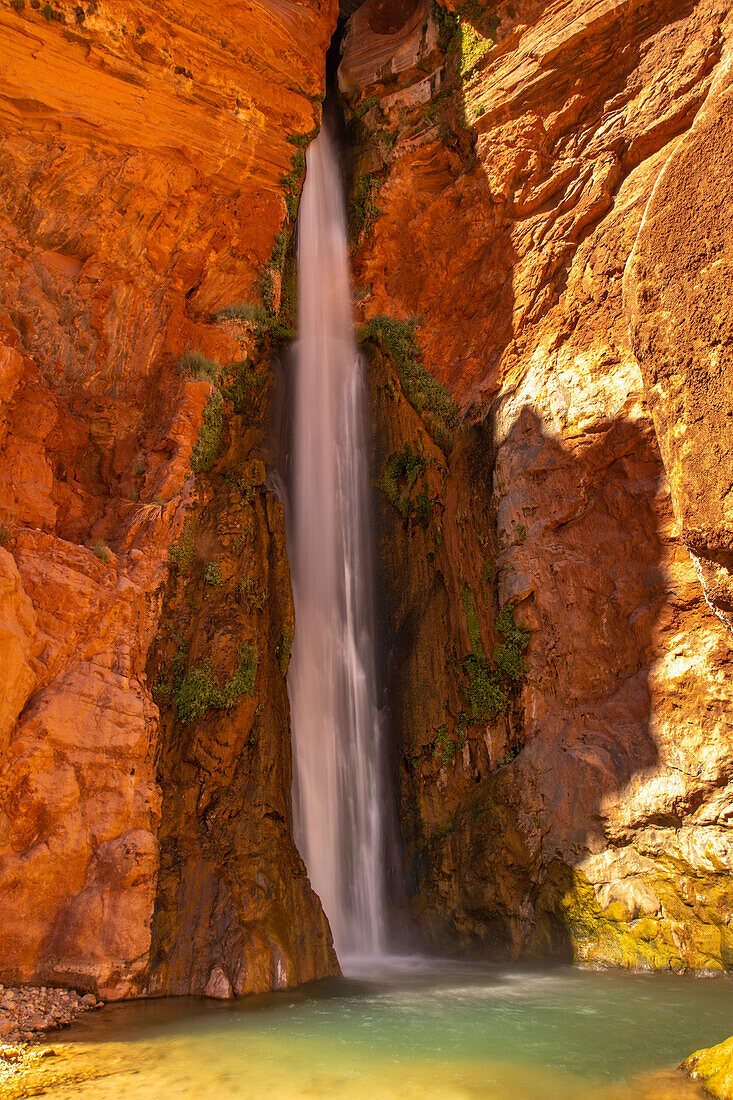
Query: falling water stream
332	678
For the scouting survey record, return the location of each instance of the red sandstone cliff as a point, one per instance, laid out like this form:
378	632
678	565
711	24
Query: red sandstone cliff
142	155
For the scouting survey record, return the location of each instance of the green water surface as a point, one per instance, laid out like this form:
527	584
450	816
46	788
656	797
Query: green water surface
437	1031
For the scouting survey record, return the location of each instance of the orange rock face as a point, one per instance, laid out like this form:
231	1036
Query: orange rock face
515	161
682	330
142	156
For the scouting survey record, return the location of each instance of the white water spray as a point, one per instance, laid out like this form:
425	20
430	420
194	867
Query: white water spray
332	681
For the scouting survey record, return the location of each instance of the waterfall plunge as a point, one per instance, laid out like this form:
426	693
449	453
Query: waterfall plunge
336	738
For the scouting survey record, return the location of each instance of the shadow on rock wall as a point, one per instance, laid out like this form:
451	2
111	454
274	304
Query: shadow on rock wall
569	825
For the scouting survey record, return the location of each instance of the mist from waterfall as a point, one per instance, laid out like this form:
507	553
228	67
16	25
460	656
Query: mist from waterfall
337	784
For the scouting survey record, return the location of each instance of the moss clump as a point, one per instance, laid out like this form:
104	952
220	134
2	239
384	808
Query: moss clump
199	690
247	386
267	324
244	311
509	654
284	648
472	621
485	693
280	307
400	473
447	22
212	574
182	552
570	920
487	690
398	340
474	46
444	747
423	508
363	208
197	693
714	1067
363	108
210	438
292	181
101	550
193	364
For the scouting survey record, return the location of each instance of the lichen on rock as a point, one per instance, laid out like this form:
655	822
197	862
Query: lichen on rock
714	1067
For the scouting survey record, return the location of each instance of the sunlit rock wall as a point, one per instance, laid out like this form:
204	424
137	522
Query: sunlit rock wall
142	155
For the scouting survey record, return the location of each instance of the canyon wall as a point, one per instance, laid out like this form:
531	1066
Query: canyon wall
150	166
541	197
541	249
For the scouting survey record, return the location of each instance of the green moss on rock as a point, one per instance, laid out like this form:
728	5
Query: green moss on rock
714	1068
208	444
571	923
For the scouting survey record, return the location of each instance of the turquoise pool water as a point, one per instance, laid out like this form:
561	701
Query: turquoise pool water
438	1031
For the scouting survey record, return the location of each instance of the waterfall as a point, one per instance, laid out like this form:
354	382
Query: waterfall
332	679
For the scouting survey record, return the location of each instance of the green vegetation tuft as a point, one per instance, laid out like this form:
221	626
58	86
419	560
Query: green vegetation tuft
444	748
359	112
248	382
280	268
400	473
487	691
212	574
509	655
302	141
472	621
101	550
4	533
447	22
182	553
284	648
193	364
210	438
199	690
423	508
244	311
196	693
292	181
485	694
428	396
363	208
267	324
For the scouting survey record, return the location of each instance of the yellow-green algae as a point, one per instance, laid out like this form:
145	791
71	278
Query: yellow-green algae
683	936
714	1068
